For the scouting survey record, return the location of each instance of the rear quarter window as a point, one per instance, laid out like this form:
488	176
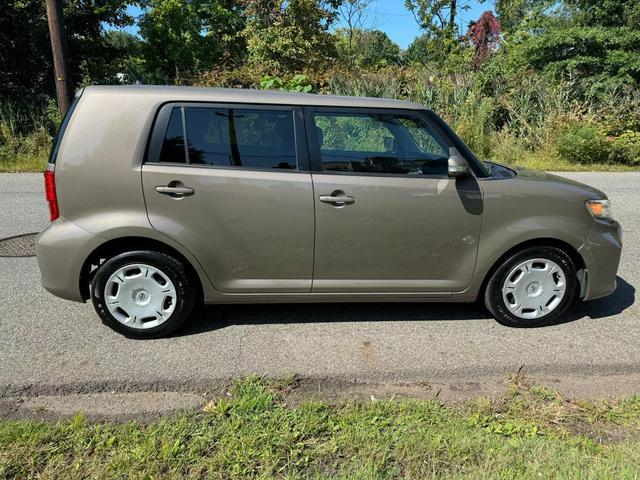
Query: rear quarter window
172	149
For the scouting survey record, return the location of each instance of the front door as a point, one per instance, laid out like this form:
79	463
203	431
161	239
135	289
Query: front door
388	217
230	184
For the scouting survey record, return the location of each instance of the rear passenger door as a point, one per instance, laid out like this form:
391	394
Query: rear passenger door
231	184
388	217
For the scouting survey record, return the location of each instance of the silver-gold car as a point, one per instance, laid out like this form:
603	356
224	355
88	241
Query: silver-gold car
165	197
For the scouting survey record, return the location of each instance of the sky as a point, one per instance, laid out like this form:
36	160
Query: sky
392	17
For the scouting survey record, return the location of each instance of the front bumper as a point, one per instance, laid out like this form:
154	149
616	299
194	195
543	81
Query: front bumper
601	252
61	250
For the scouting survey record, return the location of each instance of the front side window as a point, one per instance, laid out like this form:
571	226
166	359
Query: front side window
241	137
379	143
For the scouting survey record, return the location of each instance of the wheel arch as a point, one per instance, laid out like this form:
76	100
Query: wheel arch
116	246
538	242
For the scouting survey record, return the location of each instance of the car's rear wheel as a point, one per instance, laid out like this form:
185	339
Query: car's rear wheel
533	287
143	294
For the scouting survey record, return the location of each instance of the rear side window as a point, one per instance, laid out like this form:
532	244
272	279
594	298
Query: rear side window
172	149
241	137
260	138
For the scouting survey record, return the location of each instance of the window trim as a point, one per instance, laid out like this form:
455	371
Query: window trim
425	115
163	114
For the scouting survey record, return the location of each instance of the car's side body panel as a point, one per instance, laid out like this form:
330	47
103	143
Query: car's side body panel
401	234
252	230
253	234
530	207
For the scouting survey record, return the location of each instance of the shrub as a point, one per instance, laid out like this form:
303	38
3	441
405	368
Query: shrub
626	148
583	143
298	83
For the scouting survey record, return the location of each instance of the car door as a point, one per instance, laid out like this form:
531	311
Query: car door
231	184
388	217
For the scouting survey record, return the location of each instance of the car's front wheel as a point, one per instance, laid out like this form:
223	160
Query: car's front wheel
533	287
143	294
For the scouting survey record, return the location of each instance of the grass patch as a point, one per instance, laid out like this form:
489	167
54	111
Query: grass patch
507	151
254	433
26	137
24	153
24	162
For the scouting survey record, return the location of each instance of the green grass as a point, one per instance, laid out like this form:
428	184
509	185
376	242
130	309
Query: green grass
26	135
539	162
254	433
24	153
24	162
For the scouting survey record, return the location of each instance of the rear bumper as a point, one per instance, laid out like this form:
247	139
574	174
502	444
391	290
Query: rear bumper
61	250
601	252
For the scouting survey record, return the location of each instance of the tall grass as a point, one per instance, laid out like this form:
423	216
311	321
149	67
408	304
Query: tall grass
26	133
528	121
519	122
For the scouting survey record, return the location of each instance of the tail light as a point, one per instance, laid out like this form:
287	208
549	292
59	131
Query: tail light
50	194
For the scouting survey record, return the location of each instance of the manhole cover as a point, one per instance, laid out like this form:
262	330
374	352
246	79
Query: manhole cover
19	245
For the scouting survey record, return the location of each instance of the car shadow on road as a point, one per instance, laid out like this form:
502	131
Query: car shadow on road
614	304
214	317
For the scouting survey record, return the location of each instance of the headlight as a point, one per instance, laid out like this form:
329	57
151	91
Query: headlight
600	209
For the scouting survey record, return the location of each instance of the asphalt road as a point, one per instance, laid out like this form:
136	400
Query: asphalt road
48	345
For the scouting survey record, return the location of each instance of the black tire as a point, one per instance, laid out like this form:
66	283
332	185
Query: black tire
186	292
494	300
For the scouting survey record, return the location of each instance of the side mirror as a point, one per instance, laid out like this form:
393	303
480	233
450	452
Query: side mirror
458	166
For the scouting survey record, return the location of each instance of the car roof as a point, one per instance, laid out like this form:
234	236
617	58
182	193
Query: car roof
238	95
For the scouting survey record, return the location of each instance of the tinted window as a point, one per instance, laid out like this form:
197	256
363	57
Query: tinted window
173	143
380	143
241	137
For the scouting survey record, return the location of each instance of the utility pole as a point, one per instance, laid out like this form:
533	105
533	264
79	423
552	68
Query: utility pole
60	54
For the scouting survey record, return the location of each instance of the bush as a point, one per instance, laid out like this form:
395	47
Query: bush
626	148
583	143
26	133
298	83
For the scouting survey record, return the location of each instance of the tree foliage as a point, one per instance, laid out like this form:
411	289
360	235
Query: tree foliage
183	37
366	48
290	35
25	50
484	34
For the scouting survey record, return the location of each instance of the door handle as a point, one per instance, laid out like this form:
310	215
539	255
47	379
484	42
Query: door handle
175	191
340	199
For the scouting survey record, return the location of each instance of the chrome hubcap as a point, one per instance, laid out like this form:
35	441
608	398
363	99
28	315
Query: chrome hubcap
534	288
140	296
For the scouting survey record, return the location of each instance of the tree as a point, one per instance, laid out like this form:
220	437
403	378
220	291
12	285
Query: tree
484	34
605	13
515	14
594	44
354	14
436	17
366	48
440	40
290	35
128	65
25	51
182	37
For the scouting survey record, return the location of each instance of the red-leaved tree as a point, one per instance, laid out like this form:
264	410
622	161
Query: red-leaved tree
485	35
